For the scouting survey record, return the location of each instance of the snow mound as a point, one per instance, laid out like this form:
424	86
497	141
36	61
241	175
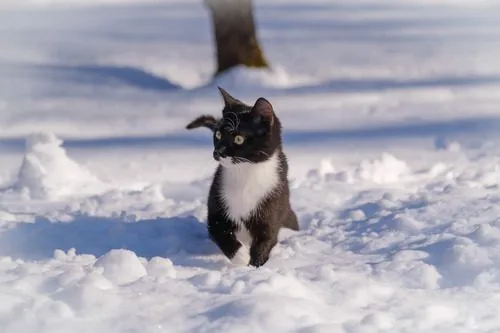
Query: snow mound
243	77
159	267
47	172
387	169
326	168
121	266
384	170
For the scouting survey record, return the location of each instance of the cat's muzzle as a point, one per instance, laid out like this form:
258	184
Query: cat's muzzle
219	153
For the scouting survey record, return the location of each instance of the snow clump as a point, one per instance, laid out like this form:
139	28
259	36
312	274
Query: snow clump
121	266
387	169
48	173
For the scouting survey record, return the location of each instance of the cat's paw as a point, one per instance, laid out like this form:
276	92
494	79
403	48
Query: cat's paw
241	257
258	261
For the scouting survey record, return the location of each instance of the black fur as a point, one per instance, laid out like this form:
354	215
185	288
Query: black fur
262	132
203	121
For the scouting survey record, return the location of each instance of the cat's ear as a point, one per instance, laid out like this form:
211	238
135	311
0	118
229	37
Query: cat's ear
263	110
228	99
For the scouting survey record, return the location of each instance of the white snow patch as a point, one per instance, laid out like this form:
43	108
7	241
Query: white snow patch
86	293
405	223
161	267
47	172
121	266
378	320
206	279
487	234
326	168
387	169
276	77
410	265
6	216
357	215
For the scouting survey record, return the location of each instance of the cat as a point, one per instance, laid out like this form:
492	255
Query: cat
249	198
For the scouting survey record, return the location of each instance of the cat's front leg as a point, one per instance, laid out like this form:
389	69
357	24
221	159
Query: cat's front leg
261	249
222	233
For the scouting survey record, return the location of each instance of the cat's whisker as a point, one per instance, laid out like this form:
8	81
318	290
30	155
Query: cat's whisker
244	159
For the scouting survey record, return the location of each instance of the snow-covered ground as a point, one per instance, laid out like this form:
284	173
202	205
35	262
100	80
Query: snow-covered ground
391	114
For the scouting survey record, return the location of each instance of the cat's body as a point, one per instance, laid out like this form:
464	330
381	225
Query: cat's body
249	199
249	205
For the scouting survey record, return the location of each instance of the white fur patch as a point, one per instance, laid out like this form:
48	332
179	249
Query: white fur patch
243	236
244	185
226	162
242	257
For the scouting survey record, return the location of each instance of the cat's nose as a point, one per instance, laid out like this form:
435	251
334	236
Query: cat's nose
219	152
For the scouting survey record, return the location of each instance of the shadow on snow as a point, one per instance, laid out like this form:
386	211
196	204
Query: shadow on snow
483	126
106	75
181	239
366	85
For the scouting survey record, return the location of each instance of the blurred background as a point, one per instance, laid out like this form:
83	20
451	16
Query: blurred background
347	74
102	68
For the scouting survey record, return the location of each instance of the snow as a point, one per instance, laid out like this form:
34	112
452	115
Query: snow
386	169
121	266
390	116
48	173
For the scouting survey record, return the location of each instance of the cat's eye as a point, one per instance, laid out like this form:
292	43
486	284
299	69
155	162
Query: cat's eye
238	139
218	135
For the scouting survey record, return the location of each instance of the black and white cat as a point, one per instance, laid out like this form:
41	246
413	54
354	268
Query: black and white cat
248	200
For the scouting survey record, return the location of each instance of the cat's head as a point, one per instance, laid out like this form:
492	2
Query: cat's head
245	134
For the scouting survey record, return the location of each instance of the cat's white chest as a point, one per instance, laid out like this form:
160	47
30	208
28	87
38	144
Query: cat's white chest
245	185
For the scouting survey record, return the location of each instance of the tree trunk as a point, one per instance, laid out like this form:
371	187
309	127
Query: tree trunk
235	36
